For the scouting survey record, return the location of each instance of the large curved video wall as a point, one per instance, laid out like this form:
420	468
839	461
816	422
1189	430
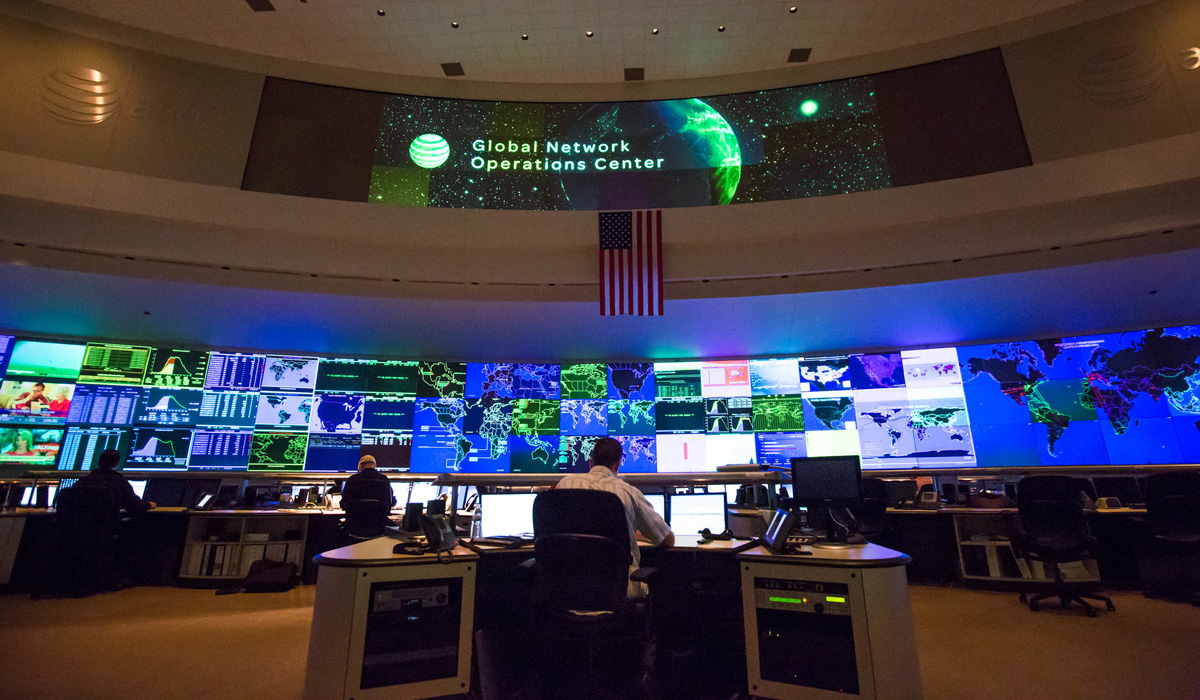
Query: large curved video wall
1121	398
949	119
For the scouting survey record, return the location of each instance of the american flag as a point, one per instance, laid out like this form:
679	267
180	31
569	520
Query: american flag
631	272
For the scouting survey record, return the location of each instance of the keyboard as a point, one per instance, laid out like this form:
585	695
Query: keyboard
512	541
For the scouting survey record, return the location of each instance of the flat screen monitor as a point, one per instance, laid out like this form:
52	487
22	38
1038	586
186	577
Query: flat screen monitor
28	495
139	487
400	491
1124	488
165	491
659	503
506	514
423	492
830	482
51	494
691	513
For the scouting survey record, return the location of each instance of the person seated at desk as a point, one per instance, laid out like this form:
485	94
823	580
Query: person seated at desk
106	476
639	514
368	484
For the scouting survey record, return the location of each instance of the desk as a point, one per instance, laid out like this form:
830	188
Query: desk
389	625
708	584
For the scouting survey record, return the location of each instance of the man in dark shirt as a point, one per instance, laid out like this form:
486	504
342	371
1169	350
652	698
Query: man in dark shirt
368	483
106	476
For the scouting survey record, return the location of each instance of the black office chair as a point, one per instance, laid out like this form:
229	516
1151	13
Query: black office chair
872	514
1169	562
84	558
582	554
365	519
1055	532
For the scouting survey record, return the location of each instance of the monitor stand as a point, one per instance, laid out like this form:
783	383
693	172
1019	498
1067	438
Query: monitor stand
838	537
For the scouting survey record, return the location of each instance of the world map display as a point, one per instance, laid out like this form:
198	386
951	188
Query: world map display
1116	398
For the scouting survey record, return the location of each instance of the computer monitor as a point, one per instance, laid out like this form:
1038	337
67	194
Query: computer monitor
51	494
400	492
827	482
28	494
139	487
506	514
659	503
691	513
166	491
423	492
1124	488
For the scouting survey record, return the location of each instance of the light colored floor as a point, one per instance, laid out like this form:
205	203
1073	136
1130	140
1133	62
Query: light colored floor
178	643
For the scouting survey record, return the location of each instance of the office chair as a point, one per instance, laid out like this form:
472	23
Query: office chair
1169	562
84	558
582	561
365	519
1055	532
872	517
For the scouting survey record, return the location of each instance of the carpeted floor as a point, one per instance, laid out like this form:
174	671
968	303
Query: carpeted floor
179	643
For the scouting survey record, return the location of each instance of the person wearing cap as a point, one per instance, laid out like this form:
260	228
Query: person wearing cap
368	484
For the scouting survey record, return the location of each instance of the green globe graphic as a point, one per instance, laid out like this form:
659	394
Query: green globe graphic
429	150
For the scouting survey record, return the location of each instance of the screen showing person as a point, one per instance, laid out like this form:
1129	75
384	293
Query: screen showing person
29	445
36	399
691	513
506	514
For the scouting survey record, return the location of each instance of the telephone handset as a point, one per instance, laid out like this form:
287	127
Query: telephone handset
438	533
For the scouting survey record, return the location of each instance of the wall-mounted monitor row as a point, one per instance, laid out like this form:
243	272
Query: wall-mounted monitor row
1119	398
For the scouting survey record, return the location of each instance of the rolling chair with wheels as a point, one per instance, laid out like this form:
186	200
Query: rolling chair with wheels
582	571
1055	532
1169	562
366	519
85	557
872	517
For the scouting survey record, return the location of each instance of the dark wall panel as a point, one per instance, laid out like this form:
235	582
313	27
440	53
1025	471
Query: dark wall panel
950	119
313	141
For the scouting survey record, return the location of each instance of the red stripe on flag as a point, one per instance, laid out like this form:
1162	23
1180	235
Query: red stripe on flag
621	281
603	309
637	244
659	262
629	280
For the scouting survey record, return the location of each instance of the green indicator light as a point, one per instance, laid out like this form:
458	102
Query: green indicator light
796	601
809	107
834	599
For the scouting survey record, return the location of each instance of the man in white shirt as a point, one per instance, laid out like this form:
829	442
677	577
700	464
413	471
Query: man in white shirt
639	514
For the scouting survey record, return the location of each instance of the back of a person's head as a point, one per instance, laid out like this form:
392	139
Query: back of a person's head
607	453
109	459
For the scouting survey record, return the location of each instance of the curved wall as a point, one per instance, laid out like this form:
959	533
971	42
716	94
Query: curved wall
155	183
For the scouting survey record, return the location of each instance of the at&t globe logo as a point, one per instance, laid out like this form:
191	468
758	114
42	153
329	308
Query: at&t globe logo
429	150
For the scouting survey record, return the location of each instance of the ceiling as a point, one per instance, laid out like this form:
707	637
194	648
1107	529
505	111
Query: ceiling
414	37
1133	293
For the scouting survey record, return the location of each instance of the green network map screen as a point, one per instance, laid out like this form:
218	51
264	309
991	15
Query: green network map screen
750	147
1117	398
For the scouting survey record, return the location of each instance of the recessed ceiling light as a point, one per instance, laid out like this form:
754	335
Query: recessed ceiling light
524	37
792	9
654	31
380	12
454	24
588	33
721	28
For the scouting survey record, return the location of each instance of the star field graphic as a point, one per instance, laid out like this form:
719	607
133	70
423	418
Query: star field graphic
805	141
